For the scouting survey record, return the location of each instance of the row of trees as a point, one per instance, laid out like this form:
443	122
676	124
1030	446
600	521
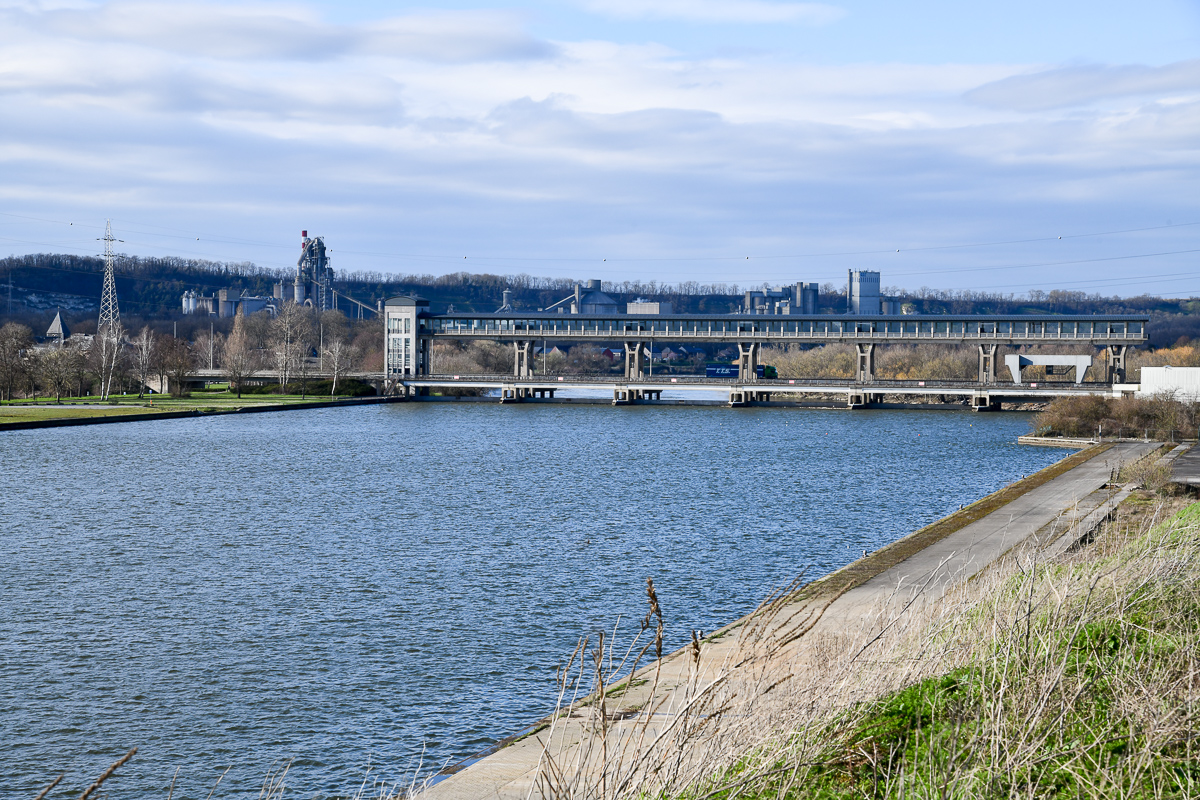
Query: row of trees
293	345
108	364
1159	418
297	343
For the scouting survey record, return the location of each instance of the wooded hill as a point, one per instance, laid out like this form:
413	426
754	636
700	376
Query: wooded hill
150	289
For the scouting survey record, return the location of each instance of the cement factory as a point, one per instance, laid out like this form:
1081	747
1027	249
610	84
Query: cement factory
312	286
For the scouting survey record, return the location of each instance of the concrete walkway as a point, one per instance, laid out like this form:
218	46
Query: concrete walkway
1186	468
1042	513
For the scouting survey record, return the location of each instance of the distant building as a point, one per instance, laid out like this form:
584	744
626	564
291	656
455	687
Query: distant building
588	300
225	303
862	295
613	353
641	306
312	286
800	298
1181	383
58	330
404	353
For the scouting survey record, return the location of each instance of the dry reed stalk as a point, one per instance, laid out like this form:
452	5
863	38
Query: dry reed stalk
218	783
106	774
46	791
273	784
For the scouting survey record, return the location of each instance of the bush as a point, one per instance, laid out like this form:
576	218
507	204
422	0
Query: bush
350	387
1153	417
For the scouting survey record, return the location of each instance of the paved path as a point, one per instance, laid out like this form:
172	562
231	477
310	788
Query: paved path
510	773
1186	468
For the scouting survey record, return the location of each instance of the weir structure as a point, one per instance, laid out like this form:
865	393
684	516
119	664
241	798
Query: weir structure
410	330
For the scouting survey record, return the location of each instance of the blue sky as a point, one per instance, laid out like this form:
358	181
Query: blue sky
945	144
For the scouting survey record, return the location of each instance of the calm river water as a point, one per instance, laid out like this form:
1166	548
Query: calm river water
350	586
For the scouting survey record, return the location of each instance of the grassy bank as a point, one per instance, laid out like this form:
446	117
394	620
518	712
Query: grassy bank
1075	676
117	405
1068	679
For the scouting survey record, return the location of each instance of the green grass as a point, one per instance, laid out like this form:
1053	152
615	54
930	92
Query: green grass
1089	690
32	413
117	405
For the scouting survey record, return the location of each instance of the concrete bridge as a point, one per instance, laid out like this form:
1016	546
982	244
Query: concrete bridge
824	392
410	331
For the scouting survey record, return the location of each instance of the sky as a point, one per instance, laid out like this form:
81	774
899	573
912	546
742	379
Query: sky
947	145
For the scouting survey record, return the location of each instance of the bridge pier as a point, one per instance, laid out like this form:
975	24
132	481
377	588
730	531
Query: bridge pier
865	373
633	360
860	399
512	393
626	395
987	363
522	364
741	397
748	361
1116	363
982	401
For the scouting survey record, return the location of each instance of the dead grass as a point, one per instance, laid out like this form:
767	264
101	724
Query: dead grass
1071	677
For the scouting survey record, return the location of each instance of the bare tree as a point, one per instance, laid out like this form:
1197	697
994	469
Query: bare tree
108	349
205	347
237	357
14	341
144	347
177	364
340	356
291	334
57	368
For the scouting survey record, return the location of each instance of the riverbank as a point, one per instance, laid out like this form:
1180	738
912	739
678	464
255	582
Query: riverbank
800	654
85	411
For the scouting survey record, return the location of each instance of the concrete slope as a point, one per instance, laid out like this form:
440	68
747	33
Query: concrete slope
511	772
1186	468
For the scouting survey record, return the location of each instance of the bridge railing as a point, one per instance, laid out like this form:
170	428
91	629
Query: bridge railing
725	336
1034	330
882	384
1144	434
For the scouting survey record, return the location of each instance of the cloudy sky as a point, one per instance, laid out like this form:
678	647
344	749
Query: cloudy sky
946	144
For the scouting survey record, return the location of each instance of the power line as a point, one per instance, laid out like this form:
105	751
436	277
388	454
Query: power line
595	259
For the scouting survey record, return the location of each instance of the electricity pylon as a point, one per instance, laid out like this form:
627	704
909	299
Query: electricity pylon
110	315
108	332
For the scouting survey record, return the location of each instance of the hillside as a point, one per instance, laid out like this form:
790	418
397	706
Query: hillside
150	289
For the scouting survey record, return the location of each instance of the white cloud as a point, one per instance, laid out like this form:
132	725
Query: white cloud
449	130
1082	85
728	11
282	32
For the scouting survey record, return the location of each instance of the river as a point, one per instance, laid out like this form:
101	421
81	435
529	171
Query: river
361	586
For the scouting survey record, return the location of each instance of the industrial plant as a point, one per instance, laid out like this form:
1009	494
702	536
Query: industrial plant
312	286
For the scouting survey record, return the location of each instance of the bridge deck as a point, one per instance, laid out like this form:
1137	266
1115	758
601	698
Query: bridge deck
715	328
787	386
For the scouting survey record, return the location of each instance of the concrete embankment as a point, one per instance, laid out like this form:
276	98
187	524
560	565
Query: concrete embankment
69	422
1051	509
1056	441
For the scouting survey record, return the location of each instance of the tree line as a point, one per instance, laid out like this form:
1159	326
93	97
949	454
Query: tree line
292	346
152	287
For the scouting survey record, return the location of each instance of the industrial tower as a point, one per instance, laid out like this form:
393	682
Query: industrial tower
314	276
110	315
